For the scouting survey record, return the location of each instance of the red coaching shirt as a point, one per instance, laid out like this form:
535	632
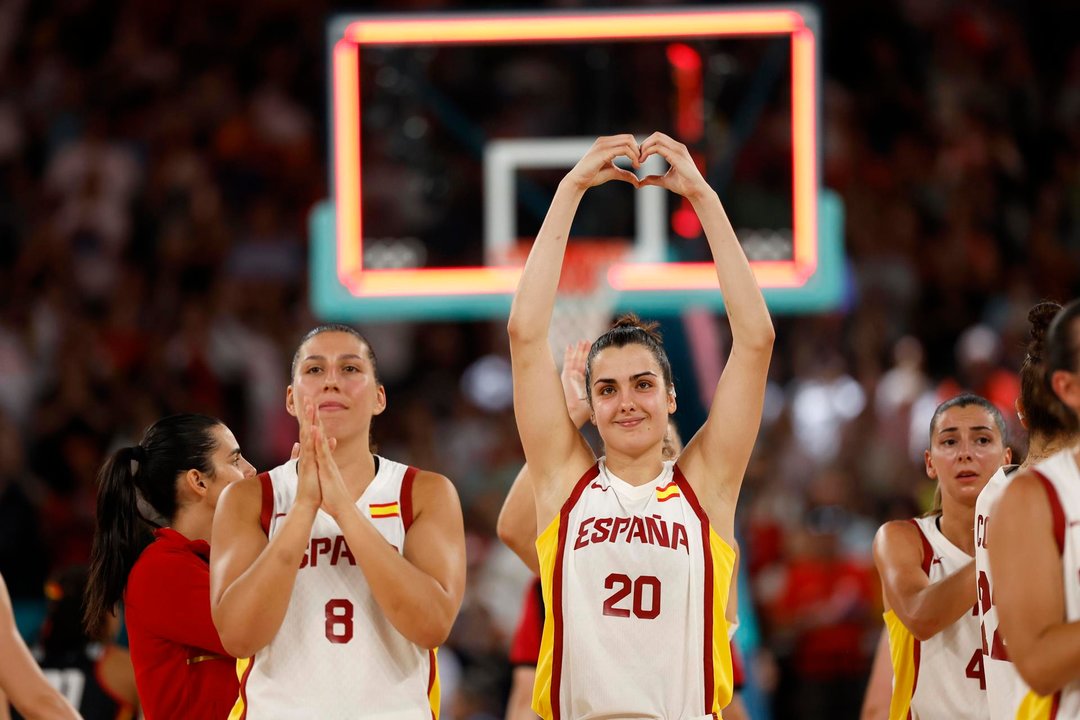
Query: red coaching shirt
181	669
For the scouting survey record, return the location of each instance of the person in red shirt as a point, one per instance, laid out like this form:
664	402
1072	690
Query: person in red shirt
159	566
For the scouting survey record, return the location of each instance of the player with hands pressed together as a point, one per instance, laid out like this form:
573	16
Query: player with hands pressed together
636	556
355	562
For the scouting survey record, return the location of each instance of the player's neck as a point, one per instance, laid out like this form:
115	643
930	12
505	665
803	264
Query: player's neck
958	527
194	521
356	463
1041	447
633	470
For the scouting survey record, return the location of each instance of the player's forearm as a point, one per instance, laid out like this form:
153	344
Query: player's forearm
751	325
534	299
1050	660
44	704
940	604
415	603
516	526
28	690
267	584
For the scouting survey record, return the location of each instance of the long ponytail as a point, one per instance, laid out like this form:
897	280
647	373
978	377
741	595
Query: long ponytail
144	472
122	534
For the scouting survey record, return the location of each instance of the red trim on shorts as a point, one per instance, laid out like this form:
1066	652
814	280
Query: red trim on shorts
1056	511
927	549
406	497
431	675
706	547
267	502
243	688
557	589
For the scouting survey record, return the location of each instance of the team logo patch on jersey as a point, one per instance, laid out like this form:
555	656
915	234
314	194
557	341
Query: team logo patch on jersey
385	510
671	490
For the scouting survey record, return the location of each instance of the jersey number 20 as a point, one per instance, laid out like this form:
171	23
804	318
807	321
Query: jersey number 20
622	585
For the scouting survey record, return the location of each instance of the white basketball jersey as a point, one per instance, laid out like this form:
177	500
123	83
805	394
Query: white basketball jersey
1005	689
1061	478
941	677
635	582
336	656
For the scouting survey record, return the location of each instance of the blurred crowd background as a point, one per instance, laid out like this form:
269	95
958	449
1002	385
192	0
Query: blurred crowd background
157	164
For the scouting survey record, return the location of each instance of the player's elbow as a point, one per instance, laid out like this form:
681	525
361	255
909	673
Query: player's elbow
762	338
1041	679
433	635
506	530
238	642
922	628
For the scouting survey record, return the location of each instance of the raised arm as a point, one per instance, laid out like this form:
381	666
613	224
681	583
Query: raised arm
715	459
517	519
246	570
555	452
21	678
420	589
923	607
1029	594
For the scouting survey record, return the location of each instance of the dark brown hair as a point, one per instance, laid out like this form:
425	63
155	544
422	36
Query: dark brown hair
629	329
1044	413
170	447
335	327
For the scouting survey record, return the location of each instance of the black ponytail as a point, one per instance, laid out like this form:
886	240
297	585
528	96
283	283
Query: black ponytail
149	472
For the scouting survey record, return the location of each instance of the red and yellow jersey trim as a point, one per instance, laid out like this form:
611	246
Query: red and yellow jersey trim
385	510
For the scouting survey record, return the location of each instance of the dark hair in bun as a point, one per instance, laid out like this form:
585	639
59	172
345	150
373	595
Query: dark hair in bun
629	329
1044	413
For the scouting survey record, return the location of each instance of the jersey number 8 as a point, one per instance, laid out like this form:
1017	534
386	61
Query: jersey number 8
339	621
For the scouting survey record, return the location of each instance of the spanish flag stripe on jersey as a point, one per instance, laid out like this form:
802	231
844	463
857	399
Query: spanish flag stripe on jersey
667	492
385	510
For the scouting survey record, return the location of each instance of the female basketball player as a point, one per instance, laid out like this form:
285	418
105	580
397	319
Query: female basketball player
21	681
1034	551
179	469
1051	428
636	558
355	563
928	572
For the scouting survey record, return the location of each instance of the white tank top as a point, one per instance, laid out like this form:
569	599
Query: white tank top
941	677
1061	478
635	583
1005	689
336	656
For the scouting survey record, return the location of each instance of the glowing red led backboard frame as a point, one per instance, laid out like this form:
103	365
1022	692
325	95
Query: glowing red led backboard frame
637	283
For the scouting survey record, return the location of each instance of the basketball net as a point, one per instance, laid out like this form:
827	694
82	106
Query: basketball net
585	302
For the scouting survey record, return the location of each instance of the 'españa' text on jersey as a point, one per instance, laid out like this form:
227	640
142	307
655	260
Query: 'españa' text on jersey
635	584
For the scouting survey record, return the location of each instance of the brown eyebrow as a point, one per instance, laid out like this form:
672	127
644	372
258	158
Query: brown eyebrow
942	431
632	377
347	356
